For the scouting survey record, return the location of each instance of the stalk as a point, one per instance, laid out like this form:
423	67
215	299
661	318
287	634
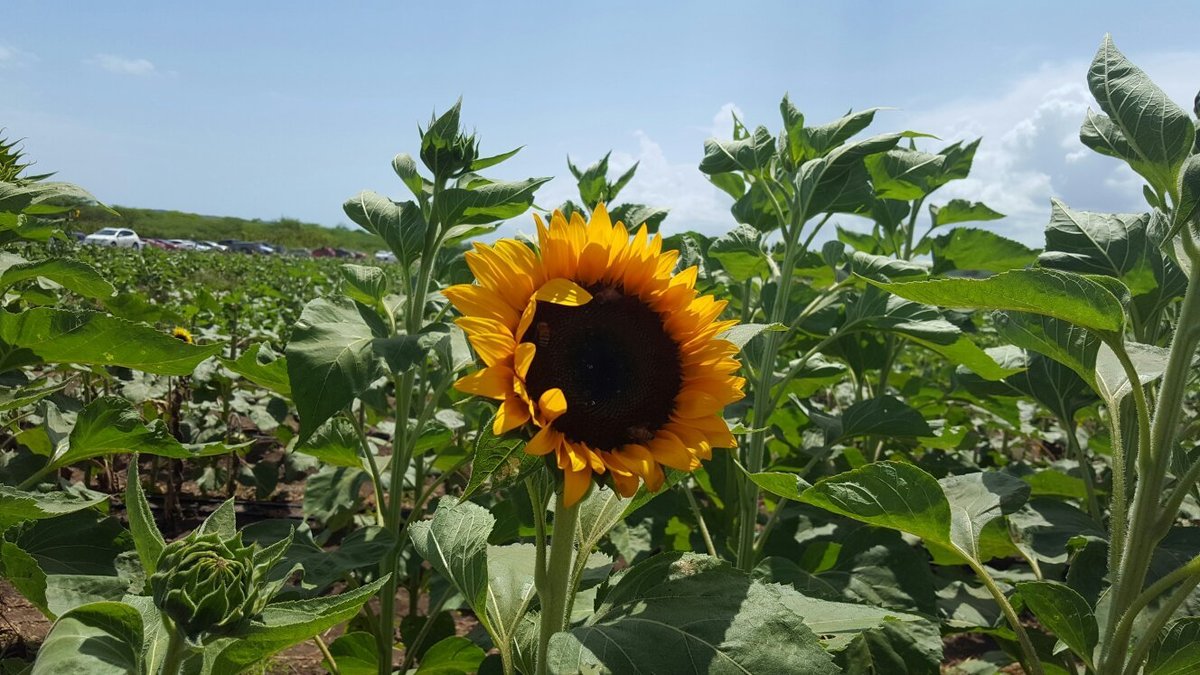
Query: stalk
556	582
1031	662
176	652
1155	447
762	395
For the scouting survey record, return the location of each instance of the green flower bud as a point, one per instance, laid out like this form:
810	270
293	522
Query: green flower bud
445	150
206	584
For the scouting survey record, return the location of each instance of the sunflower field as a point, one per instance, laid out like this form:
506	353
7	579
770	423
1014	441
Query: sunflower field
802	446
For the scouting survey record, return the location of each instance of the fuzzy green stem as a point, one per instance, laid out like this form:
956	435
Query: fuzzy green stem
329	660
1032	664
1189	579
176	653
556	583
708	542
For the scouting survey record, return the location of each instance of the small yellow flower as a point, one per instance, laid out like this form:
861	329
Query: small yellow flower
612	357
181	333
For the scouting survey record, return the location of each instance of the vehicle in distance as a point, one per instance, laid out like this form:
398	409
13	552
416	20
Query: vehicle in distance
385	256
118	237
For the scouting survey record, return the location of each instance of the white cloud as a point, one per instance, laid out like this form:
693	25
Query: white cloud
123	65
1031	149
12	56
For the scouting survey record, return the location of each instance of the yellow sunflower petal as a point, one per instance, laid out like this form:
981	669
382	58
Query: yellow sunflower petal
695	403
512	413
575	485
668	450
523	357
492	382
544	442
552	403
563	292
478	301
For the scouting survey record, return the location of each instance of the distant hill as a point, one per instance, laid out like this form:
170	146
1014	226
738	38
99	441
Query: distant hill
287	232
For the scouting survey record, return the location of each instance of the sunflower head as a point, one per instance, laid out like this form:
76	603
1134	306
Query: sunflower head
608	356
181	333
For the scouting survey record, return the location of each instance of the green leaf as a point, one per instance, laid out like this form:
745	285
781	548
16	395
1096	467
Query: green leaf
687	613
743	333
451	656
47	335
740	253
961	211
977	499
1112	244
1065	614
1070	345
499	460
885	268
778	483
894	495
1071	297
748	154
406	168
1177	651
110	425
74	275
819	140
285	624
1148	130
23	572
455	544
486	162
17	506
894	646
400	224
971	249
263	367
99	638
487	203
330	359
336	443
636	215
354	654
882	416
364	284
1149	362
146	537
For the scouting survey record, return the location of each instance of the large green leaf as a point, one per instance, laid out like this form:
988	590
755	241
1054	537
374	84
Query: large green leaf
477	205
1070	345
454	542
400	224
498	461
111	425
1149	362
1177	651
749	154
98	638
74	275
146	536
47	335
1071	297
894	495
17	506
451	656
335	442
948	514
1112	244
687	613
740	253
1144	127
1064	613
972	249
961	211
263	367
285	624
331	359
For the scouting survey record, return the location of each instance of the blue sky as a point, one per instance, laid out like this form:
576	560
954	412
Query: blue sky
271	109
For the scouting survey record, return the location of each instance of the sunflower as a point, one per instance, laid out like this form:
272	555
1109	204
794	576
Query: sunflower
612	358
181	333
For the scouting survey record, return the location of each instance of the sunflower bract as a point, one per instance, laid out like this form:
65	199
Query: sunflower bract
207	585
595	342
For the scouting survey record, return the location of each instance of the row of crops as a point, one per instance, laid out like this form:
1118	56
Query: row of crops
802	446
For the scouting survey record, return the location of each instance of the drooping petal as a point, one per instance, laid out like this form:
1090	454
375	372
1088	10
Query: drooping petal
563	292
512	413
491	382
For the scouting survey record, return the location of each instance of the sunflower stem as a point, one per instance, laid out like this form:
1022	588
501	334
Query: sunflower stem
552	593
176	652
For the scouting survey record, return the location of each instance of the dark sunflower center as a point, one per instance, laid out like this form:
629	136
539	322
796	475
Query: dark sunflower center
614	362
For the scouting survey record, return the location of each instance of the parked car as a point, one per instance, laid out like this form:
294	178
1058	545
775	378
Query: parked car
385	256
183	244
117	237
215	246
324	252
